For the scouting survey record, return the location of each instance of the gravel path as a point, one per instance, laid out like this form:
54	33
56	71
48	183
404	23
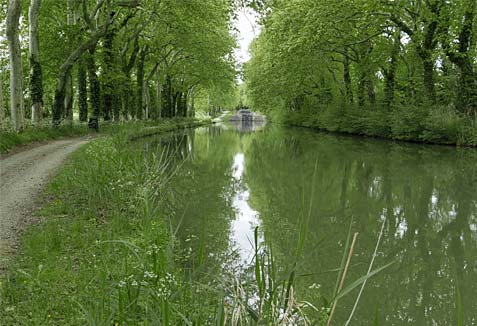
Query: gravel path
22	177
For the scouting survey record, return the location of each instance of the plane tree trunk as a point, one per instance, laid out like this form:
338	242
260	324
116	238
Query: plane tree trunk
16	73
36	79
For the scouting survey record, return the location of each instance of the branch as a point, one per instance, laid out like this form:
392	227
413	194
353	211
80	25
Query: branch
365	40
152	72
404	27
95	10
86	16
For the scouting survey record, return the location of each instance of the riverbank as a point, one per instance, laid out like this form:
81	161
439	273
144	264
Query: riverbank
100	241
24	174
13	141
437	126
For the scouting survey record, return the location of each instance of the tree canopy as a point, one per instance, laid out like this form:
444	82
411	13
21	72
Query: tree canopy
372	53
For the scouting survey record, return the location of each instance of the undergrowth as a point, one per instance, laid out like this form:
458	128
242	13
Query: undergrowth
440	125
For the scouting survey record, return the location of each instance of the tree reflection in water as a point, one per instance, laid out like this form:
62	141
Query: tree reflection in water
428	194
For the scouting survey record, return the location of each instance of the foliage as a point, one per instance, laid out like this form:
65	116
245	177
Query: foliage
370	67
439	126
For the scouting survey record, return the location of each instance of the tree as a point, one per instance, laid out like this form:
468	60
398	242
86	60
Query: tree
97	32
462	52
424	36
16	72
311	55
36	80
2	109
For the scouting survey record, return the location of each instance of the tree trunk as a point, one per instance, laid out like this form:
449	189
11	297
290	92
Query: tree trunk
2	109
347	81
127	97
184	104
140	82
147	93
16	73
429	86
158	94
361	89
467	90
69	99
129	102
371	92
167	98
425	51
36	79
192	103
108	86
390	73
94	87
147	99
175	101
82	91
71	8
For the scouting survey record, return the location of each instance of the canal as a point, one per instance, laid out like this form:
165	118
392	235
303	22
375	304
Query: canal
296	184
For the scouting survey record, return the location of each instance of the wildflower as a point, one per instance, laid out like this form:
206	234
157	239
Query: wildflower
150	275
314	286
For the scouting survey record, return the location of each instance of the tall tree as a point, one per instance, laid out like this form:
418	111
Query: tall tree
140	81
2	109
96	32
82	90
36	78
462	52
16	72
424	16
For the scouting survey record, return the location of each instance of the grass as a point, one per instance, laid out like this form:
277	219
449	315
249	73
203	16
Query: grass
105	254
440	125
9	139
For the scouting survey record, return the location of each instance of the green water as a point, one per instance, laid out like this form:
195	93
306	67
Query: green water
229	182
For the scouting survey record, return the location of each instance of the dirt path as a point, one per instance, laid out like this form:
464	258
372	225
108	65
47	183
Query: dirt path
22	177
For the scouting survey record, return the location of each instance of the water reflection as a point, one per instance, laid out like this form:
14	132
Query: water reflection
246	219
428	195
248	125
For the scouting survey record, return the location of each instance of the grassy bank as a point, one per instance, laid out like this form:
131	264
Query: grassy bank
10	139
437	126
105	253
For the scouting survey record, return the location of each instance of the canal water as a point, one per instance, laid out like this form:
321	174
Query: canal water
283	180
